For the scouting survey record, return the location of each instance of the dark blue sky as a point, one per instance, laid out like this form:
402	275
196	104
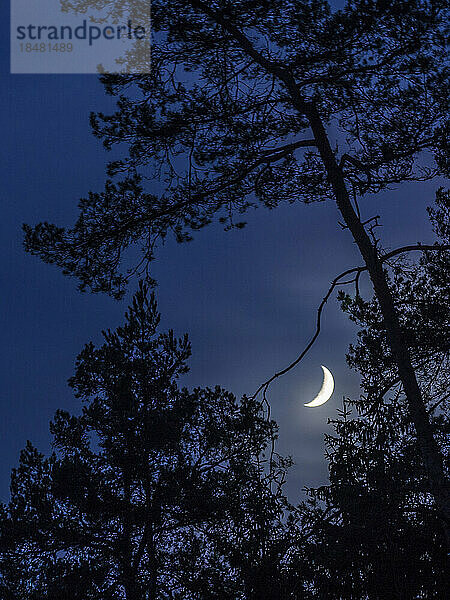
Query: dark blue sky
247	298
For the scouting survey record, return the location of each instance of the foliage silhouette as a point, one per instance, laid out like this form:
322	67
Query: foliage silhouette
376	532
153	491
235	113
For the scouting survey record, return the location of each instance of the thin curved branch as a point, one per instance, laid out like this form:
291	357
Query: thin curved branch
423	247
337	281
334	283
437	404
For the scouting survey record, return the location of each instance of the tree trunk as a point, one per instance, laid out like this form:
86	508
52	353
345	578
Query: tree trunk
428	447
132	590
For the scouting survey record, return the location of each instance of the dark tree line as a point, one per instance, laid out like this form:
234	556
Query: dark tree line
156	492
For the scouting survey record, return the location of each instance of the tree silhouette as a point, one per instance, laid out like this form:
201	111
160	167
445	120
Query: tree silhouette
373	532
376	530
153	491
236	112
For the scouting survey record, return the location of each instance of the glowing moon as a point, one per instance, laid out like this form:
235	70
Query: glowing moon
326	390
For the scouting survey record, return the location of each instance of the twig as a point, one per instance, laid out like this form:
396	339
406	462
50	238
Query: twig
435	406
336	281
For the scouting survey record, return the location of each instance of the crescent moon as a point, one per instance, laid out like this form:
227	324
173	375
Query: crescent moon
326	390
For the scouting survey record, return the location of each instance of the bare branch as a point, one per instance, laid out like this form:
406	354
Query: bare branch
334	283
338	281
438	403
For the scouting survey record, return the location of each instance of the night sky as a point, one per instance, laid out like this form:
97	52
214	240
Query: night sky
247	298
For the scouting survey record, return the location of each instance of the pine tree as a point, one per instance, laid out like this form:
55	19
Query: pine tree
152	492
376	530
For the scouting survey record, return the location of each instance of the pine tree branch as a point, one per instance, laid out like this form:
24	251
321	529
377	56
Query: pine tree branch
338	281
